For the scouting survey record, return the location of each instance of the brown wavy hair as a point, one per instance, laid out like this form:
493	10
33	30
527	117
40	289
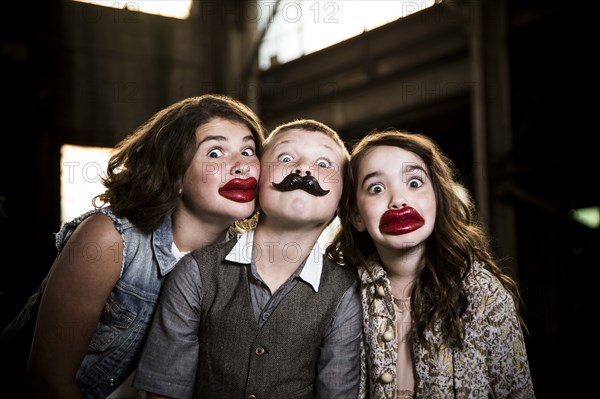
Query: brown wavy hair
457	242
145	175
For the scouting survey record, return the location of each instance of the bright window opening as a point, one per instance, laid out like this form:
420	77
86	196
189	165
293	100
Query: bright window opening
589	217
173	8
302	27
81	169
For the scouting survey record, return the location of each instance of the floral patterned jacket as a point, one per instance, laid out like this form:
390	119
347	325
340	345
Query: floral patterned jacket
492	364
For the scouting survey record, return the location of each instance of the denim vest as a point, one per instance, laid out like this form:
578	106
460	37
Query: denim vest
116	345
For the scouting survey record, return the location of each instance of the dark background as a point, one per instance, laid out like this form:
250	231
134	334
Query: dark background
505	87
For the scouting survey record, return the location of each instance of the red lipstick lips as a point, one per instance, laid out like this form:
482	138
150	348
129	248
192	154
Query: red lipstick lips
239	190
400	221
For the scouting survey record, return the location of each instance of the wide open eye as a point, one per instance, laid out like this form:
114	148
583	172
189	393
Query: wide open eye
323	163
248	152
215	153
376	188
414	182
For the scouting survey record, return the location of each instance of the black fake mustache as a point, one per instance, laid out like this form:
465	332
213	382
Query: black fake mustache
294	181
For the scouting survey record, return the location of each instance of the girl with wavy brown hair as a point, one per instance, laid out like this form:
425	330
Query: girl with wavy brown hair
177	183
440	318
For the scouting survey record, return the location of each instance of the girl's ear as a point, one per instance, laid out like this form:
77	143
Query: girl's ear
357	221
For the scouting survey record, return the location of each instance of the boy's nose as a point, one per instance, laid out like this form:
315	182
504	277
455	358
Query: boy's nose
298	171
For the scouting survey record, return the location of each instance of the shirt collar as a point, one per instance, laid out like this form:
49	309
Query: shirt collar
311	272
162	238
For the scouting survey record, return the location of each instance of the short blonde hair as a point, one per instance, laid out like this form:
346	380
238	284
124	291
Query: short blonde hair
312	126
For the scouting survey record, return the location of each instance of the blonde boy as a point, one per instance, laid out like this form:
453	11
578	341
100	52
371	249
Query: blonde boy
265	315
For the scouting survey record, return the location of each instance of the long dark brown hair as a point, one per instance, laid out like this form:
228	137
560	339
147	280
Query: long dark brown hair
456	243
145	175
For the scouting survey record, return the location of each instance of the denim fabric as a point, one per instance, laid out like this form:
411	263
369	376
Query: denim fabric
117	343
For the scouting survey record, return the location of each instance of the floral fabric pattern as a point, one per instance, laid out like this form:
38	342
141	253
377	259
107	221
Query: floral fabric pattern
492	363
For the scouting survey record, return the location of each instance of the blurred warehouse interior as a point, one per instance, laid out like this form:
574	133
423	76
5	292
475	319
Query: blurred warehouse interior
499	84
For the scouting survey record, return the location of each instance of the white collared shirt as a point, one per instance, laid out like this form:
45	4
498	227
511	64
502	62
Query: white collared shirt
311	268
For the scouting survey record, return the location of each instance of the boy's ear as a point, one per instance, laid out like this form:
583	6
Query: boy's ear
357	221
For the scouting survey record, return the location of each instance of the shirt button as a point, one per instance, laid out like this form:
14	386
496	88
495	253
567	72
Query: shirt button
386	378
260	351
380	291
265	316
388	335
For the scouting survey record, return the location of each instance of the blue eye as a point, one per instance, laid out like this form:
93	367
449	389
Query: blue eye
323	163
285	158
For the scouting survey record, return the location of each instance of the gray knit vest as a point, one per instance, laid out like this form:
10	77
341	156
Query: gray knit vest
236	359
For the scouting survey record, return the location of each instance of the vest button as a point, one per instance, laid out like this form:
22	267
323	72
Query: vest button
266	315
260	351
386	378
252	397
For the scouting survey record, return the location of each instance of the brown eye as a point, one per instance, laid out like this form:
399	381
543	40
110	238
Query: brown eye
376	188
415	183
216	153
248	152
